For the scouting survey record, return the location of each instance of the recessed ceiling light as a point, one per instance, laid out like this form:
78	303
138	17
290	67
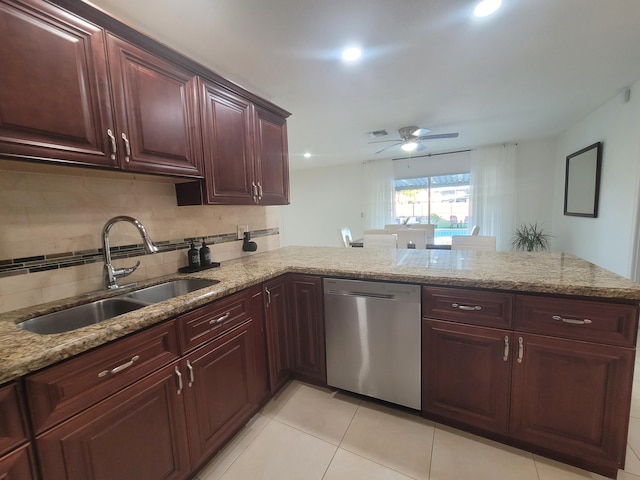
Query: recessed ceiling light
351	54
486	7
307	155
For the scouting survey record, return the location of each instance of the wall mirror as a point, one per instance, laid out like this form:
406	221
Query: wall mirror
582	182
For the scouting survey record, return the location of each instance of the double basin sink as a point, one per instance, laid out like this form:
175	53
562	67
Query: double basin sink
100	310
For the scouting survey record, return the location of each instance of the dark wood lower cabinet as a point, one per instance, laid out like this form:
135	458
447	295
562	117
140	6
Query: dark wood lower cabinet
466	373
136	434
307	328
220	390
17	465
276	319
572	397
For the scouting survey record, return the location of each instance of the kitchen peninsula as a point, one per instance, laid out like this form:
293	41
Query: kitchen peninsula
541	313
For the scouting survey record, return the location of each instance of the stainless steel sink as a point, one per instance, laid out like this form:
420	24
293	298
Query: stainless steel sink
165	291
80	316
100	310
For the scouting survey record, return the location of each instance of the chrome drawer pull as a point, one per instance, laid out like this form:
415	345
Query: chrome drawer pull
520	350
114	145
179	375
466	307
572	321
119	368
506	348
191	377
216	321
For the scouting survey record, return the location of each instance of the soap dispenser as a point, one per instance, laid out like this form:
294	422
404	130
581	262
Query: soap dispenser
194	256
205	255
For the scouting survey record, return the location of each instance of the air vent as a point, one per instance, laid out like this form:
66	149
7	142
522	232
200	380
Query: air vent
377	133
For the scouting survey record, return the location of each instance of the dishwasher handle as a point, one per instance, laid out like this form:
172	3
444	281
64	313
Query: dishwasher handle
343	293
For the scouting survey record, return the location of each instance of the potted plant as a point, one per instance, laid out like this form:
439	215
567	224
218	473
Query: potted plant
530	238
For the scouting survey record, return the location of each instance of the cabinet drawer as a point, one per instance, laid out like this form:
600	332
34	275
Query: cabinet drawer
468	306
12	427
198	327
579	319
60	391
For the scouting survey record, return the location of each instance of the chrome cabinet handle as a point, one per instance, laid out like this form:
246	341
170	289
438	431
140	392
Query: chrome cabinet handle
268	295
505	356
520	349
179	375
127	147
191	377
466	307
259	191
119	368
572	321
254	188
215	321
114	144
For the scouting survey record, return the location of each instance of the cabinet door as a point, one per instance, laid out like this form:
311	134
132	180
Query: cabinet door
307	328
256	312
277	332
17	465
221	390
156	113
572	397
54	95
227	129
272	161
12	427
136	434
466	374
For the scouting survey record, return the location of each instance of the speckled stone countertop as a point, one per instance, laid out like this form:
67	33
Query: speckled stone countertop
22	352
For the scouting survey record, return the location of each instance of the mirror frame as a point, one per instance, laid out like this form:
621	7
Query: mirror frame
582	182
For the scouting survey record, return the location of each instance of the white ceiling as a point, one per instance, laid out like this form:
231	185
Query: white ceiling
529	71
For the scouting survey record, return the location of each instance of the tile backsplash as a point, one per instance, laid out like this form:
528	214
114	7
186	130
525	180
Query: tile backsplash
51	231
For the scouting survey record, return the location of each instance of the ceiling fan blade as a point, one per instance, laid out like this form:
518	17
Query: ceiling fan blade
438	135
382	141
387	148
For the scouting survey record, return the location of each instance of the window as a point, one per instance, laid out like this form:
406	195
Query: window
442	200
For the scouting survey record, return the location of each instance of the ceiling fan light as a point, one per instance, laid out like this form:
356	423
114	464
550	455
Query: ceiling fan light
409	146
486	7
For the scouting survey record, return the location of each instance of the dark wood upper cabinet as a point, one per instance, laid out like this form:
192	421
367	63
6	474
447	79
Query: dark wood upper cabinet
272	161
245	153
227	130
156	114
54	96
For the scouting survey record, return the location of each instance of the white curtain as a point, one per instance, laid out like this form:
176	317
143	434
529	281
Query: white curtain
379	190
493	199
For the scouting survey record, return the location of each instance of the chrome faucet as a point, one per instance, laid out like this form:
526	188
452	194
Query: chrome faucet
111	274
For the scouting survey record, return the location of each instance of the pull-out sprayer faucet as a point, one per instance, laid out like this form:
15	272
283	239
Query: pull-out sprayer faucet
111	274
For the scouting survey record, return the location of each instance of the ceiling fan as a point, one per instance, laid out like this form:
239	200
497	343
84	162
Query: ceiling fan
411	138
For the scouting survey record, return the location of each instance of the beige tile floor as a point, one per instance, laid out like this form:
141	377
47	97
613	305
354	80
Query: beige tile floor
307	433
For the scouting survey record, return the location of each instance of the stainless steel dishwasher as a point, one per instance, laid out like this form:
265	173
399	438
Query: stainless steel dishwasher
372	332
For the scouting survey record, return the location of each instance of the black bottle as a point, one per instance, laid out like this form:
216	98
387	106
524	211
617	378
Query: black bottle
205	255
194	257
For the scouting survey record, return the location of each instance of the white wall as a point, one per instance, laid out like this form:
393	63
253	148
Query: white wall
535	182
323	200
610	239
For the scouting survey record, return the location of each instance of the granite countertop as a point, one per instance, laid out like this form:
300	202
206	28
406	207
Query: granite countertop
22	352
